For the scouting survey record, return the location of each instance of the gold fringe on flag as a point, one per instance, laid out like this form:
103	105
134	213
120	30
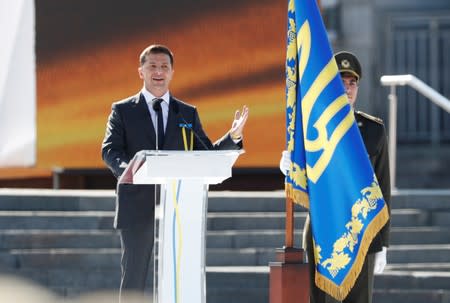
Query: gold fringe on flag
298	196
341	292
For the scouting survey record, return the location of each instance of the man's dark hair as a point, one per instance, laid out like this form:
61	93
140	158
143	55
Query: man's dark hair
155	49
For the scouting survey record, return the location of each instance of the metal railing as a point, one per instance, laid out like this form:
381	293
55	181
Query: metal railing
401	80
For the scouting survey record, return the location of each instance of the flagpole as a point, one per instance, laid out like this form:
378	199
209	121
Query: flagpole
289	227
289	232
289	274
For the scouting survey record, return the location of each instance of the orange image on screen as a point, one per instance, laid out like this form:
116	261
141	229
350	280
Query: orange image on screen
225	57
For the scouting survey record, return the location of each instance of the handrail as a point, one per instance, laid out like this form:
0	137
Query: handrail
418	85
421	87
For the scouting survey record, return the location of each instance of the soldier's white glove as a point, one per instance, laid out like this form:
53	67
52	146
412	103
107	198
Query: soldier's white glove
285	162
380	261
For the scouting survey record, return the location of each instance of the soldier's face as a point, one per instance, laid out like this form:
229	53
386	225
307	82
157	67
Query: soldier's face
351	85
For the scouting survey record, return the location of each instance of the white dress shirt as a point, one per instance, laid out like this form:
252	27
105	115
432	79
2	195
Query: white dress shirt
164	106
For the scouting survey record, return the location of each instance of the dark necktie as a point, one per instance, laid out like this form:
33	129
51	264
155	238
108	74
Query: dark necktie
158	109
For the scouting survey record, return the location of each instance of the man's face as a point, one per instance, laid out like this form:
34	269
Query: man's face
351	84
157	73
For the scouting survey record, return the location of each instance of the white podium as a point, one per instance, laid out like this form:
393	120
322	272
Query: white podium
184	177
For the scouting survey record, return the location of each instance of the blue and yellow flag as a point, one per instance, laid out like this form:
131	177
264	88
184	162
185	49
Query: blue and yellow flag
331	174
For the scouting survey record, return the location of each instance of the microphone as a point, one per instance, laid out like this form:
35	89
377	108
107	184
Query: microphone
188	125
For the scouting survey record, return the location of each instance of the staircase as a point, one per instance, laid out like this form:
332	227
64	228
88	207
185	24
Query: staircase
64	241
430	169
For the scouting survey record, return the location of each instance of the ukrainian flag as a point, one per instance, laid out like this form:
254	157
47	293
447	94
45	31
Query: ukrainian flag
331	174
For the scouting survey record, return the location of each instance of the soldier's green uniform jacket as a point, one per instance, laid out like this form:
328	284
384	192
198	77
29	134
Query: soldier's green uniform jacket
374	136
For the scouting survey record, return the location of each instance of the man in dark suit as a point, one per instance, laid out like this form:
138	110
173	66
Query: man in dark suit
375	140
151	120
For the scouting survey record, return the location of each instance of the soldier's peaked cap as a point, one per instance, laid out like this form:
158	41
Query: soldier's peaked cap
348	63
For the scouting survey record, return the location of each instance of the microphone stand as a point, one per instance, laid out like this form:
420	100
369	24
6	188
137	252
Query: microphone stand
157	107
156	132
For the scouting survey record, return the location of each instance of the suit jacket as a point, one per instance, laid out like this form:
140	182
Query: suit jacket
129	130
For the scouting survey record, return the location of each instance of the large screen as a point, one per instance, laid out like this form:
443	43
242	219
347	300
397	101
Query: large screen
227	53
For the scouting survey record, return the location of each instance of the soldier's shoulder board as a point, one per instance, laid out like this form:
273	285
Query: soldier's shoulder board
369	117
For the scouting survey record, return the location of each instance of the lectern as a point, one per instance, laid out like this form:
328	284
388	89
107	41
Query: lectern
184	177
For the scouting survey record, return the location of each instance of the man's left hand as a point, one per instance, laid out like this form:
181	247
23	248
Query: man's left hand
237	127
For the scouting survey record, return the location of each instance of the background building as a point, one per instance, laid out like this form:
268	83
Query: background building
394	38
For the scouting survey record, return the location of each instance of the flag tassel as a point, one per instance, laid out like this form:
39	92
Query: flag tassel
341	292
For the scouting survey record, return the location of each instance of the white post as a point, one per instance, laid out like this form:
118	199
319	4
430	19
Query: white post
17	84
392	135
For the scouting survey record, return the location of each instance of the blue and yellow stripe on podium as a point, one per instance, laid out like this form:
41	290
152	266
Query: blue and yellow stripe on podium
177	239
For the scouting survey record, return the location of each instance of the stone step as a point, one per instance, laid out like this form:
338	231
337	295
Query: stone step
251	220
413	280
248	283
56	219
27	219
427	284
275	201
411	295
64	258
275	238
223	201
243	295
35	239
437	199
434	267
110	257
429	253
85	279
420	235
429	169
262	256
441	218
228	277
56	200
237	295
73	200
257	277
276	220
78	238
